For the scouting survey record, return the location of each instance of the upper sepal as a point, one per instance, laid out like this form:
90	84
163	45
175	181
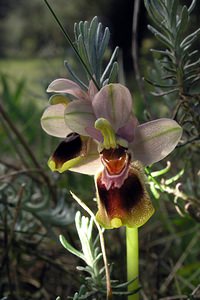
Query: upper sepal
113	103
53	120
154	140
79	116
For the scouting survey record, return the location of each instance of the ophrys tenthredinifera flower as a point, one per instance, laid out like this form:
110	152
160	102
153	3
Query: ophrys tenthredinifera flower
102	137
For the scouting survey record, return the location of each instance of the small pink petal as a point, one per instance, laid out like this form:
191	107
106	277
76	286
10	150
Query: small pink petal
155	140
79	116
53	121
114	103
114	181
94	133
92	90
127	132
67	86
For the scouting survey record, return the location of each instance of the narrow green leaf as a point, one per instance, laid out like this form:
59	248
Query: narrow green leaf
174	178
192	66
125	284
182	25
81	29
75	77
159	9
98	36
159	20
170	70
192	6
164	52
161	94
85	30
119	293
91	35
70	248
193	53
161	37
154	191
173	14
97	258
110	64
113	73
190	38
154	83
19	90
76	33
161	172
83	52
104	42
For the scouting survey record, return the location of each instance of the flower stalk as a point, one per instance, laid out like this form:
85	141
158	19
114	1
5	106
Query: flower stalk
132	254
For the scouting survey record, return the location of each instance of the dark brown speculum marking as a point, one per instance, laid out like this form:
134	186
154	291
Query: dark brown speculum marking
68	149
118	202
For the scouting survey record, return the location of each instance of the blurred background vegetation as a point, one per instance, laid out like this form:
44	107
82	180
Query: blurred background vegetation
35	205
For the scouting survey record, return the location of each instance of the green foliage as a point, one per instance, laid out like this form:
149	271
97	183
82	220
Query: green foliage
34	204
178	60
177	64
92	42
175	82
91	255
94	285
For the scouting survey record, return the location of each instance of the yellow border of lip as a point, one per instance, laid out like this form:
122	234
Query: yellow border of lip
66	166
116	222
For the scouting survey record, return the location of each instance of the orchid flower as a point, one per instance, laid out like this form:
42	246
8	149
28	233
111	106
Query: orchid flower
102	137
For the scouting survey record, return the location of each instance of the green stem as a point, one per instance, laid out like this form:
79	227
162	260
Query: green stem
132	260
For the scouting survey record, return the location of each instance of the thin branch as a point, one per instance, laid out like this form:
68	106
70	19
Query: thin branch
196	290
27	149
20	172
19	136
9	165
9	239
17	211
178	297
179	263
6	258
179	194
14	144
193	140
